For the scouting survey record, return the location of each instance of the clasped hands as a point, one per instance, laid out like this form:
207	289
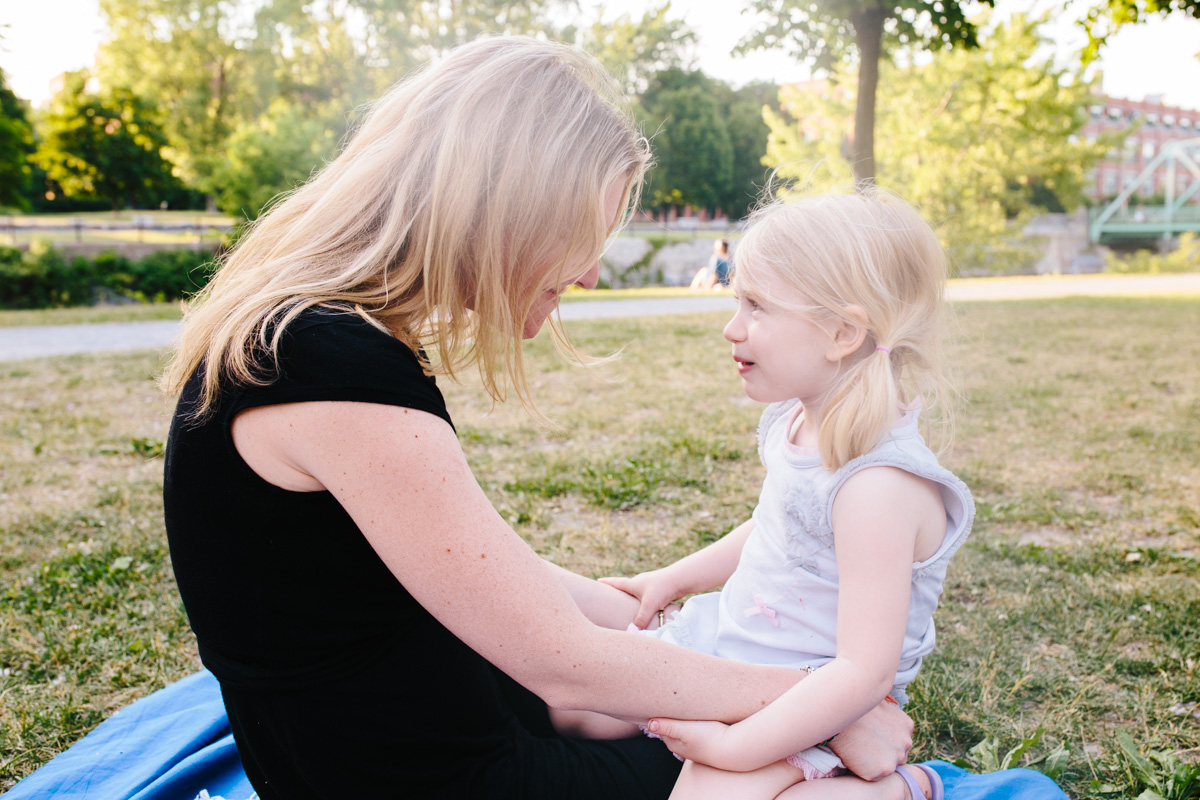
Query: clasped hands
871	747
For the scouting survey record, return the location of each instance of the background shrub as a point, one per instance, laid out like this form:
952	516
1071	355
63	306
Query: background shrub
169	274
42	278
1185	258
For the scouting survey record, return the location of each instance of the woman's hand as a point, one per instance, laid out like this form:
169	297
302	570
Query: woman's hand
877	743
697	572
655	591
703	741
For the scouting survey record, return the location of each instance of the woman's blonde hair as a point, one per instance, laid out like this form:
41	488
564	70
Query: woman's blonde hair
871	250
469	188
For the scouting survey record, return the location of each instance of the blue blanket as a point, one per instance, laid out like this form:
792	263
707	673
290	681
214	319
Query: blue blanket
176	745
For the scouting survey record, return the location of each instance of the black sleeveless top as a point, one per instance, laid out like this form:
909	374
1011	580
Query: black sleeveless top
281	588
336	682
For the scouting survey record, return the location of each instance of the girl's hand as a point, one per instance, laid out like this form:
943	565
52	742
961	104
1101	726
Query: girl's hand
702	741
654	590
877	743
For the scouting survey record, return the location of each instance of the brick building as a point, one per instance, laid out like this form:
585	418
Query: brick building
1147	125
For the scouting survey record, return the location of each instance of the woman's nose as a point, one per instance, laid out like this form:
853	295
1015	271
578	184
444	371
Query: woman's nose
590	278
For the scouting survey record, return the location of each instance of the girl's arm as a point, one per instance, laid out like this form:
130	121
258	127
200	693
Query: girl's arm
402	477
600	603
697	572
879	517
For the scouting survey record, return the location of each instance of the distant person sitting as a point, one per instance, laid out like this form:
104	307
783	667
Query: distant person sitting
716	273
719	264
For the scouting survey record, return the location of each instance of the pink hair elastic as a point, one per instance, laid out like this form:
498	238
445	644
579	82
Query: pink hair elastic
884	349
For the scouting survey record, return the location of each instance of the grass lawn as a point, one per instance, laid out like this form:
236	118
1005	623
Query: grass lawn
81	315
21	229
1072	610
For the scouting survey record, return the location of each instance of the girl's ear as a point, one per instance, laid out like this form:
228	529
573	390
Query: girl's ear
848	334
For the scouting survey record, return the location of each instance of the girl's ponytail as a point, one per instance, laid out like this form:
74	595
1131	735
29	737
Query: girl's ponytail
861	409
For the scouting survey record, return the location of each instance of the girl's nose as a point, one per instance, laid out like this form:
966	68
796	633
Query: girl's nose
734	332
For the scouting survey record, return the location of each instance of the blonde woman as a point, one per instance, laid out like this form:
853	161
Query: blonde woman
376	628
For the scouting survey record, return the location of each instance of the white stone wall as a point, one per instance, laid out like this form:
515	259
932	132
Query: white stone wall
680	260
677	261
621	253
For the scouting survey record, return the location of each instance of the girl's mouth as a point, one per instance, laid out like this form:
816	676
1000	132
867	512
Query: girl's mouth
743	366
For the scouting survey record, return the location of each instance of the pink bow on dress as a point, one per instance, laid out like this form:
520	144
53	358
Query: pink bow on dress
762	608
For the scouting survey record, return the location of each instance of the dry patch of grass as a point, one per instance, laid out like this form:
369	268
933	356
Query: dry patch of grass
1071	610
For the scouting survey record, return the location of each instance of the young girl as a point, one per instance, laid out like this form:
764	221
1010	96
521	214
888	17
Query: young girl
839	569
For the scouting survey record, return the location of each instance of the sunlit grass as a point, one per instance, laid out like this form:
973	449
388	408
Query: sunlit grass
1072	608
60	238
81	315
124	215
21	229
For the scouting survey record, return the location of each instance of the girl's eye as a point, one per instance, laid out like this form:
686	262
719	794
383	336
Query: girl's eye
750	301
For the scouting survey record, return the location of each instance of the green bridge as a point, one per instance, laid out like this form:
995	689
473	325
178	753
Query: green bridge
1179	212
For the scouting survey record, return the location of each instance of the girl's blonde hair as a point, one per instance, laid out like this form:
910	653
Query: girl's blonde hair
871	250
470	188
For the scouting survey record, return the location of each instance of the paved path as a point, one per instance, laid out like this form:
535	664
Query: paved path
53	340
39	341
1047	286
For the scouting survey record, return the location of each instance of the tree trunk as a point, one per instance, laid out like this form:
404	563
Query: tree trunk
868	34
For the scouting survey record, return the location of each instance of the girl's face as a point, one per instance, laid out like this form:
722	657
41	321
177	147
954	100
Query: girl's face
780	354
585	275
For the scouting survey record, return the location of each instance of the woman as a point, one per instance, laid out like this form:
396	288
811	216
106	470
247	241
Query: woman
377	629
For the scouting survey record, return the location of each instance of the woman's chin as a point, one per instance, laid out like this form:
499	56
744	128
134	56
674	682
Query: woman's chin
533	325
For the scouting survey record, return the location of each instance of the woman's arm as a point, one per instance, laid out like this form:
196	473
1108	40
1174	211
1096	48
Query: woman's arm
402	477
878	517
697	572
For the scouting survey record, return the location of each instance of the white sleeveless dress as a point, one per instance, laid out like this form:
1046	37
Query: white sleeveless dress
780	605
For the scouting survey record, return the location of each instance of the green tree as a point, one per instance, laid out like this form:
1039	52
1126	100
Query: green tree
748	133
1104	17
973	138
635	50
307	54
107	146
215	66
16	145
708	138
439	25
394	36
692	147
701	150
270	157
849	33
187	58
